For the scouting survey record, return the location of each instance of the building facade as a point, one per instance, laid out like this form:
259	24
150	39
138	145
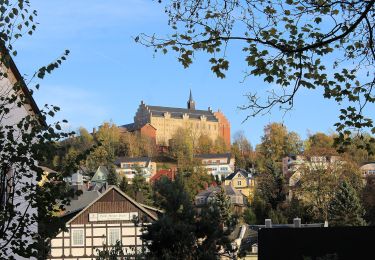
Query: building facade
217	165
166	120
129	166
368	169
293	167
236	198
111	217
12	86
242	181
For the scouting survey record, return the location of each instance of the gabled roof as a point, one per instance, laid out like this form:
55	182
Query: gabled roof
101	171
82	201
24	88
138	205
169	173
176	112
244	173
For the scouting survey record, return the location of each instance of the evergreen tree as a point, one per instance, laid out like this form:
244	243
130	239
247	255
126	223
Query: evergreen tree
124	187
210	228
345	208
249	216
172	236
112	178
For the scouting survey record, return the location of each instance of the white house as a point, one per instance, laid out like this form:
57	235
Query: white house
11	113
129	166
220	165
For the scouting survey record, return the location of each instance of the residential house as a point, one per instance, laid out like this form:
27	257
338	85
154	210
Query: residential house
293	167
110	217
129	166
100	176
169	173
242	181
205	196
217	165
368	169
11	113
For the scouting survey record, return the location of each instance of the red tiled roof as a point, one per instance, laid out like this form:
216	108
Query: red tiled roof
169	173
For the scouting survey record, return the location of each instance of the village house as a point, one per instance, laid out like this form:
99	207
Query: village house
294	165
109	217
236	198
22	107
242	181
129	166
368	169
217	165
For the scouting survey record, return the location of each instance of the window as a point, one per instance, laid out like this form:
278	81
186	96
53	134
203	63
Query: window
113	235
239	183
77	237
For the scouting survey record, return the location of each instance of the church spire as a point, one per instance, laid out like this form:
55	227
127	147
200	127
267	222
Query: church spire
191	102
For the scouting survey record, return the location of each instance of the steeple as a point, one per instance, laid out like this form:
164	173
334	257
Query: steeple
191	103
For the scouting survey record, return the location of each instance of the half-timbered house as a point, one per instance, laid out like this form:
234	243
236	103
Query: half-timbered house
112	217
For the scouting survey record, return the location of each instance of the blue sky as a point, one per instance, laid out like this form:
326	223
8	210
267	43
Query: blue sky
107	74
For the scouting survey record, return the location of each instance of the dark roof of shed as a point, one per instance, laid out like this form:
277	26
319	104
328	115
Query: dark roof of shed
178	112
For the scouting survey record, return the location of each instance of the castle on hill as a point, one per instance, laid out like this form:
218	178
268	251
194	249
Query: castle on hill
160	123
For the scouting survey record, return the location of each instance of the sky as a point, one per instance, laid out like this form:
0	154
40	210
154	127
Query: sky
107	73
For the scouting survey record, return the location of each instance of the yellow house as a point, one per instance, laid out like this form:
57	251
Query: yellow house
242	181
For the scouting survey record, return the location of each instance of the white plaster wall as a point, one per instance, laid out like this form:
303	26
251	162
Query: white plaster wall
11	119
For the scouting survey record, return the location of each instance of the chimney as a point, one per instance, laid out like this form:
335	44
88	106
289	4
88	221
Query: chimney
268	223
94	131
297	222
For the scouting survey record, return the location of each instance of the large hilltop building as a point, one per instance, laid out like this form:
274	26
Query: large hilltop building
161	123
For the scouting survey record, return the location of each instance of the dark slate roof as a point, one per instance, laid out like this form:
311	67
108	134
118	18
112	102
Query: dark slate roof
178	112
132	159
129	127
214	156
242	171
211	191
82	201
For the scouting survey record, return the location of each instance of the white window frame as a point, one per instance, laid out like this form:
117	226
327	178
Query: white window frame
110	238
83	236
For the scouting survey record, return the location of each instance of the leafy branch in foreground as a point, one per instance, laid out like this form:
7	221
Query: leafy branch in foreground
323	45
27	210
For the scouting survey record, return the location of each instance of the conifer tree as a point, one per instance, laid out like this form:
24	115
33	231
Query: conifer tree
112	178
345	208
124	187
